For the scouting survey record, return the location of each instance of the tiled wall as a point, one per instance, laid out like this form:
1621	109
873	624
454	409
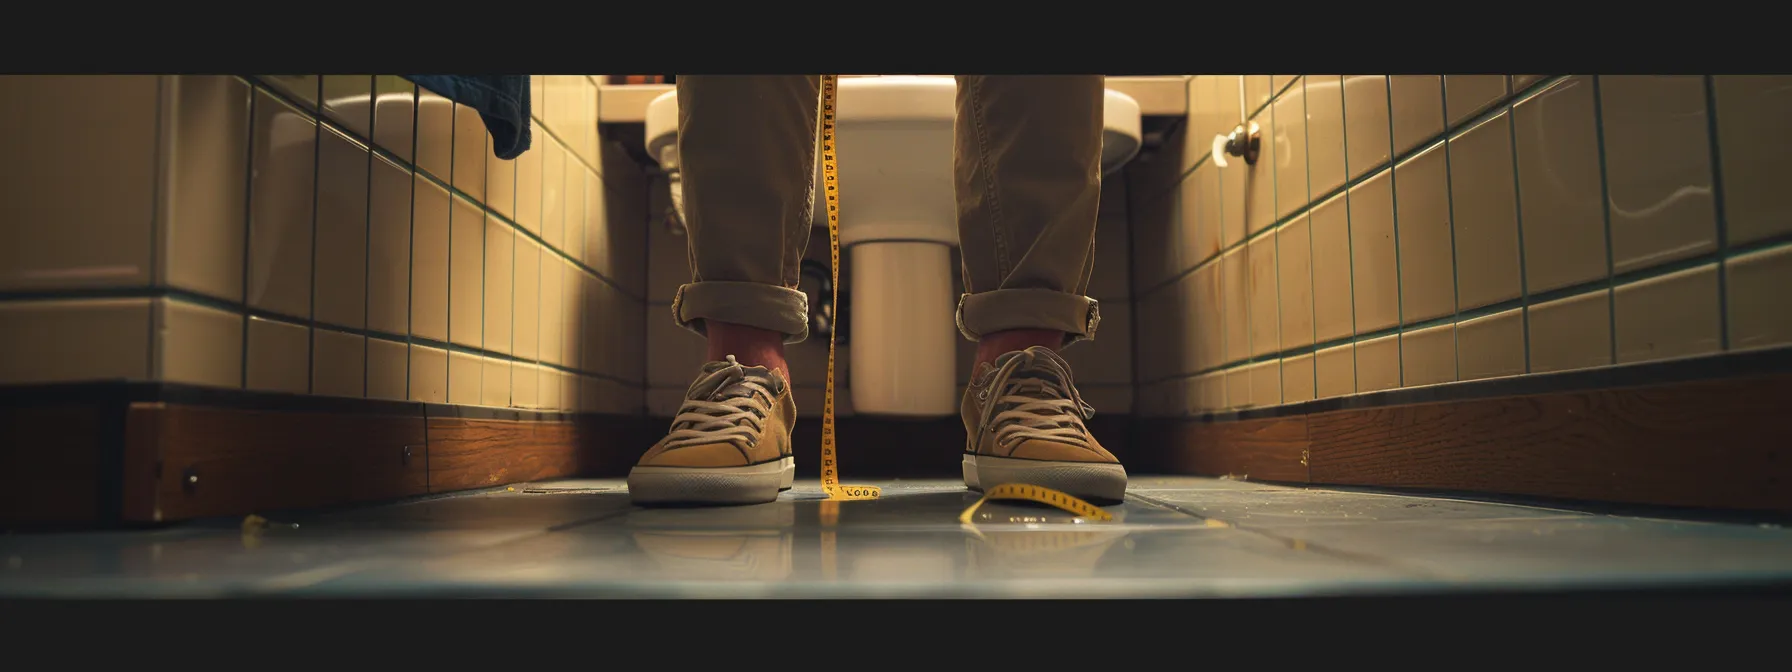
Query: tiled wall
1103	367
1411	230
330	235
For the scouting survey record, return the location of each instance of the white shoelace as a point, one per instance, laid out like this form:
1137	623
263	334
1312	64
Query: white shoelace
728	403
1030	395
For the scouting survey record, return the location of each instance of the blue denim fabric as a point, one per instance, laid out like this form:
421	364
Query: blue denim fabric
502	102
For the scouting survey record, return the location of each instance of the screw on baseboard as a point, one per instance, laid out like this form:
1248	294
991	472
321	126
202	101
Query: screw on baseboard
189	479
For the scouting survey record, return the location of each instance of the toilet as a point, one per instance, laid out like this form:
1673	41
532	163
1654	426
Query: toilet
898	221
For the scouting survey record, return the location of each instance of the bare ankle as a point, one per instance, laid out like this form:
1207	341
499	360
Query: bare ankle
996	344
751	346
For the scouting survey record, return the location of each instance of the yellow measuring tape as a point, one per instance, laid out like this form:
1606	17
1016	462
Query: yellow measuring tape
1034	493
830	463
830	170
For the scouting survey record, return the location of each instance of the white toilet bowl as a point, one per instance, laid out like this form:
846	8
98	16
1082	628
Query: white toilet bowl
898	220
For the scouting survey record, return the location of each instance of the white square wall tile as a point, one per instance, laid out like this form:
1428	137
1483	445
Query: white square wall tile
526	299
547	387
1560	206
1266	383
465	378
97	132
429	261
279	357
500	185
1158	230
466	274
1571	333
1484	214
1657	169
1428	356
1235	302
495	383
553	309
74	340
573	198
202	239
1757	284
1290	158
388	369
1209	393
1294	286
1238	388
1334	371
528	188
569	392
1325	134
198	345
1378	364
1197	341
1366	129
553	186
1374	268
1265	311
500	258
1417	110
1204	208
389	248
281	196
301	88
1674	315
435	134
470	152
1260	178
1234	183
575	283
338	363
524	385
341	254
348	100
1422	218
1298	380
1332	302
1491	346
394	114
1755	145
1468	95
429	374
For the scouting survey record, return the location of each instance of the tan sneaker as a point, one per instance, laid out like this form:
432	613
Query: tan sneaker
1023	421
730	443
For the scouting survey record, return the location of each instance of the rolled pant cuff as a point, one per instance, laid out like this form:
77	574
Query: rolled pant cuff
1003	309
753	304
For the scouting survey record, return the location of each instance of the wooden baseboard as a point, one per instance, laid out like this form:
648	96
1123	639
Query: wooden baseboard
1716	443
126	453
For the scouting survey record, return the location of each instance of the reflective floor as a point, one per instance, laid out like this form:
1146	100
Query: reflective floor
1173	537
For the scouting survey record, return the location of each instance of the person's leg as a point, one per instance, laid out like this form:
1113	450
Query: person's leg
1028	178
746	148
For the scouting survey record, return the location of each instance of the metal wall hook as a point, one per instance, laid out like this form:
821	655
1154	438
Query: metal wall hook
1246	140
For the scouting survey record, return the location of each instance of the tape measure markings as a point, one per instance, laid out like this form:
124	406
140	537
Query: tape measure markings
830	468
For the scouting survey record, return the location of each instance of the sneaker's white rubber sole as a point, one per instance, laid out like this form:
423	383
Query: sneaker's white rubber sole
756	484
1083	480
